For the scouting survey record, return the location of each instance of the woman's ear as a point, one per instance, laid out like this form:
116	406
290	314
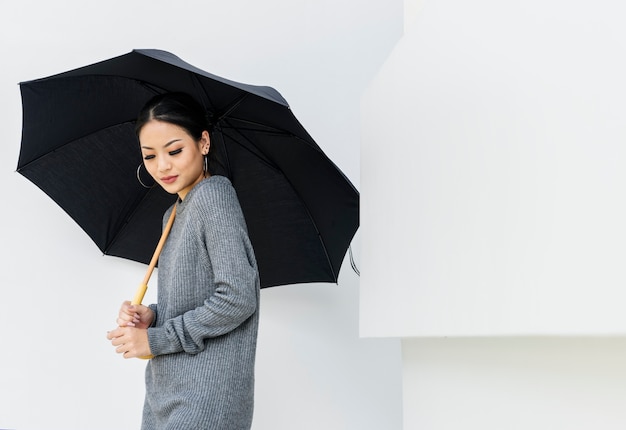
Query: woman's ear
205	142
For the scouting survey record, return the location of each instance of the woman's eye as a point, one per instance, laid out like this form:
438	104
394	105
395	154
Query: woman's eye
176	151
148	157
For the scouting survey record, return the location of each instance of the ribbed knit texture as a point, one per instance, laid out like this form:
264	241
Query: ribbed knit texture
204	335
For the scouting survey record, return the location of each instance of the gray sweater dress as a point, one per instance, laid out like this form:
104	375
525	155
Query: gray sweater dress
205	331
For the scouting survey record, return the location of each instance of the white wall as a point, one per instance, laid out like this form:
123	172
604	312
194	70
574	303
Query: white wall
59	296
493	172
493	213
541	383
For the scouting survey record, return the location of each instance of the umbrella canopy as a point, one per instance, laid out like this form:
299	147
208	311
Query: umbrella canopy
79	147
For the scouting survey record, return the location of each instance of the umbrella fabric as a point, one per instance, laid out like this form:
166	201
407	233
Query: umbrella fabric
79	147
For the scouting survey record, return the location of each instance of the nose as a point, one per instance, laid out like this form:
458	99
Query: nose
163	164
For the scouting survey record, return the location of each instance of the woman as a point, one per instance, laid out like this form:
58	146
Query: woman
202	332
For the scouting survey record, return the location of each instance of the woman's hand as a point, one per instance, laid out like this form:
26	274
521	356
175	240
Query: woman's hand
138	316
131	342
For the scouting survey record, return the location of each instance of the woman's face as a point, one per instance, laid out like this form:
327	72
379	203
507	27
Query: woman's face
172	157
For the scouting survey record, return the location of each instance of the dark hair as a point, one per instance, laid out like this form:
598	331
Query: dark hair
183	110
180	109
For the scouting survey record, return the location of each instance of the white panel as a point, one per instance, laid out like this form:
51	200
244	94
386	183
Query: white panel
493	176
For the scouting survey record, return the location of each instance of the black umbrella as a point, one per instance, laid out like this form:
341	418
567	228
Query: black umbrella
79	147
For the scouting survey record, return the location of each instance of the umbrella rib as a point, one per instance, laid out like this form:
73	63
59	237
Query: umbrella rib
319	236
304	205
218	131
127	220
282	132
257	153
206	100
231	108
277	130
70	142
225	115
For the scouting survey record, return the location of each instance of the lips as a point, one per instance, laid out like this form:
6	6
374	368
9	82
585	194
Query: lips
168	179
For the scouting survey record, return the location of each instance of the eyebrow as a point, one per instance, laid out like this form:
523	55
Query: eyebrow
165	146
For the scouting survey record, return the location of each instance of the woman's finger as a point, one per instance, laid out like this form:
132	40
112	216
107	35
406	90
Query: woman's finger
115	334
126	323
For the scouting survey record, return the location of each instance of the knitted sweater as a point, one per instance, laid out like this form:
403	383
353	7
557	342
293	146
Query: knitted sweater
204	335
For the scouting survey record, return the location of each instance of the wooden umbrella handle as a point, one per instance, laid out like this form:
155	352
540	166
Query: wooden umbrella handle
141	290
143	287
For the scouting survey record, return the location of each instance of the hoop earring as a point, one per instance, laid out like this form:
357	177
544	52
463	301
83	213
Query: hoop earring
139	178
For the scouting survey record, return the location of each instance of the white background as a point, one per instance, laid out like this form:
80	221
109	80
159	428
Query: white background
59	295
